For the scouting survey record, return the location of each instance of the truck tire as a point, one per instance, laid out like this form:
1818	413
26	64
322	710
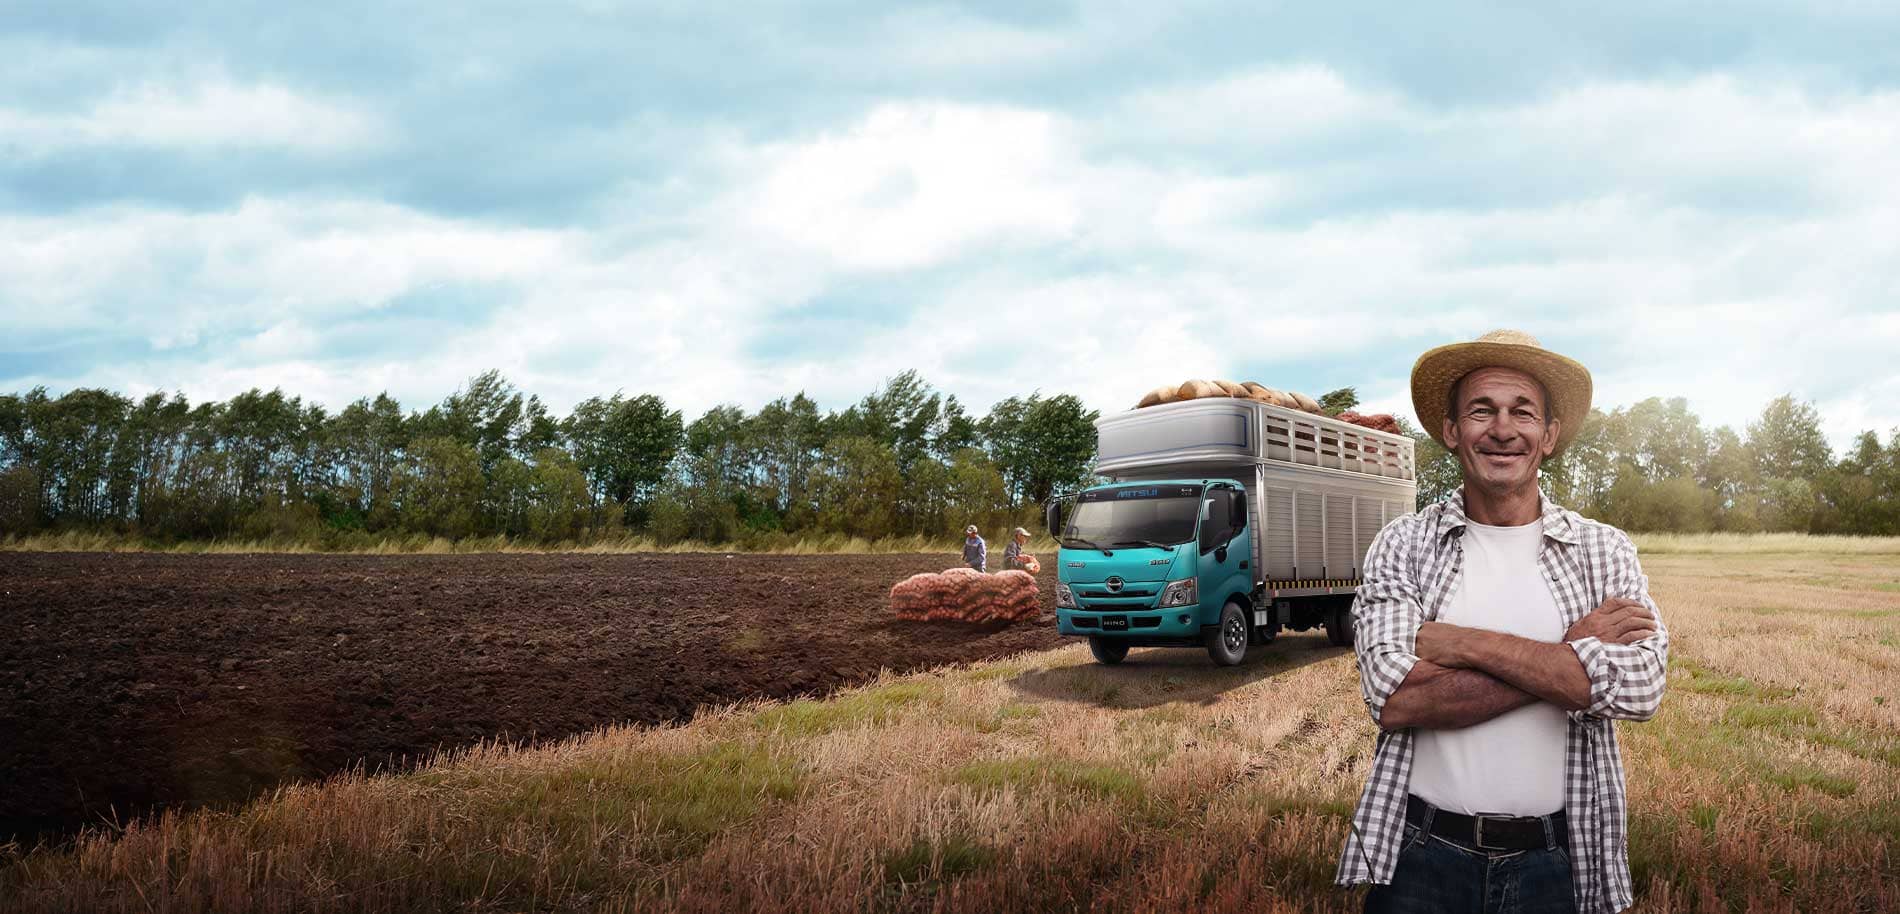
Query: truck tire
1108	651
1339	626
1227	642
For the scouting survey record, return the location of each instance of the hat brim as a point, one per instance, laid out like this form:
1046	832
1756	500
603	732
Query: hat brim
1565	378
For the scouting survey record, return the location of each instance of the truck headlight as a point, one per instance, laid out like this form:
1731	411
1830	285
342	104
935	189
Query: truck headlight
1065	598
1181	593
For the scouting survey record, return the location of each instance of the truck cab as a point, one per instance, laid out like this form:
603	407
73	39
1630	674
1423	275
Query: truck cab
1156	563
1223	522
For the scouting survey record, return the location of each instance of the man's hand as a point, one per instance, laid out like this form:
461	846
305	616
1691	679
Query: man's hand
1617	621
1438	642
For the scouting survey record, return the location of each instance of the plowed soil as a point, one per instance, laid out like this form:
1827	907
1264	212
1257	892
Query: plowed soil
134	682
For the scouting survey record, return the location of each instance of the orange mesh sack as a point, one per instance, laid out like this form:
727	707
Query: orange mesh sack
967	595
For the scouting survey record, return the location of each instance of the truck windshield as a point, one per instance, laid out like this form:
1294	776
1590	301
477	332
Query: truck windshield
1125	515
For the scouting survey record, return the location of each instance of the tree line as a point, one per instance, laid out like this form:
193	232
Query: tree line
904	460
493	460
1653	466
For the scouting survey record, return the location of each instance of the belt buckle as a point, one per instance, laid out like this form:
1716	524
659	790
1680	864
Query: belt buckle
1478	836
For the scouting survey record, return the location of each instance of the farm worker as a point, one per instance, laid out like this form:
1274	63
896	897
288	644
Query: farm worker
975	552
1013	553
1499	638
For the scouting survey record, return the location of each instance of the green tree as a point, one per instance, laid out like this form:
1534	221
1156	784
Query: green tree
1731	475
1788	504
686	510
488	414
1582	476
366	440
1435	469
1677	505
1658	439
1042	446
721	440
1787	441
1791	457
439	489
855	486
1334	402
1858	495
79	447
19	500
788	434
158	429
902	416
955	430
976	493
559	500
624	446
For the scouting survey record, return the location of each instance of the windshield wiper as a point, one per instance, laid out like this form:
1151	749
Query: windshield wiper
1150	543
1091	545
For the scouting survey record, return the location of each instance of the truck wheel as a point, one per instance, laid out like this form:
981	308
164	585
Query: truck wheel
1107	650
1227	642
1339	626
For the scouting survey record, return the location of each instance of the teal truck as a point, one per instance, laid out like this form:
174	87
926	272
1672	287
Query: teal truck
1223	521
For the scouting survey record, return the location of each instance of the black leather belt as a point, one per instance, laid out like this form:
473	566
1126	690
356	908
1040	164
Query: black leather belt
1488	833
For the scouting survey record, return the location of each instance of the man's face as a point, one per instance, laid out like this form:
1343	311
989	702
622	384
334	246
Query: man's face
1499	430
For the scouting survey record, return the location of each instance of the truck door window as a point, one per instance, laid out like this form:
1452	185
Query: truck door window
1216	528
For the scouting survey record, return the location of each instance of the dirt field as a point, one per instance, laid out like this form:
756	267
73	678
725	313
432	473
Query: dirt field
139	680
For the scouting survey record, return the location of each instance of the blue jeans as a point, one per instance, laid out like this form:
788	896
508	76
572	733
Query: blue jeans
1436	875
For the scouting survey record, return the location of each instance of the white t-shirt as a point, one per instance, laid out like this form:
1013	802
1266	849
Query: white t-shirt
1512	764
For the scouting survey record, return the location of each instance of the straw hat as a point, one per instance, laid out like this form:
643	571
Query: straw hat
1565	378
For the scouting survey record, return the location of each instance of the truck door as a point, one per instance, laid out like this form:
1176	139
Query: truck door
1224	549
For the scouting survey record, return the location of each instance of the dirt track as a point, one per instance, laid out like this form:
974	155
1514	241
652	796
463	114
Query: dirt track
134	681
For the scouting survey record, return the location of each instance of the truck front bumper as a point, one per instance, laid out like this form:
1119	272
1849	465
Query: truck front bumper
1135	622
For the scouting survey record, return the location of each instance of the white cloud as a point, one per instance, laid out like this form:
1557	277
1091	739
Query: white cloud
1041	251
1258	110
172	275
912	184
206	114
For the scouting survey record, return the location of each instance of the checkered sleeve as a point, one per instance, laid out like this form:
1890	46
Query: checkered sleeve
1387	614
1626	680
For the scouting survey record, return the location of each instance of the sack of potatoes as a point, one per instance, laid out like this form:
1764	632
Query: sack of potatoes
1197	389
966	595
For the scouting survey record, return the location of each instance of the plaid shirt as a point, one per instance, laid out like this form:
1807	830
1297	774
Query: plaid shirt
1412	571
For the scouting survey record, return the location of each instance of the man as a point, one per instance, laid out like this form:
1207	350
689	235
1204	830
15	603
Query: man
1013	553
975	551
1498	637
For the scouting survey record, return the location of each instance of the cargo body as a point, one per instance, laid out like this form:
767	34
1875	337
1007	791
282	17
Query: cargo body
1225	520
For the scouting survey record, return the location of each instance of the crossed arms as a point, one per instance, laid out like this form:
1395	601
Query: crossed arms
1442	676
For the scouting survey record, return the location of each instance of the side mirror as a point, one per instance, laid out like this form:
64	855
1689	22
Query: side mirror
1207	509
1052	517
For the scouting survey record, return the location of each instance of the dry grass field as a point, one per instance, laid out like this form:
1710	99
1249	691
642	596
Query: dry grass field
1043	782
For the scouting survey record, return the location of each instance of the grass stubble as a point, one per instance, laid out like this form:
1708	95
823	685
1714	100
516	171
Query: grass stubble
1044	782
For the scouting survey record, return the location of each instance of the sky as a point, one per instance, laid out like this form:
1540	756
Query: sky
728	203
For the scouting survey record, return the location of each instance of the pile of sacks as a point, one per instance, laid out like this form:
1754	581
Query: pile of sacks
1246	390
967	595
1381	422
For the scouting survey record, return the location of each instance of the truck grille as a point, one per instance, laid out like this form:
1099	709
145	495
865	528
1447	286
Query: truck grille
1099	591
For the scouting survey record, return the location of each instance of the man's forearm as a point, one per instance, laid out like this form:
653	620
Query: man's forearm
1550	671
1442	698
